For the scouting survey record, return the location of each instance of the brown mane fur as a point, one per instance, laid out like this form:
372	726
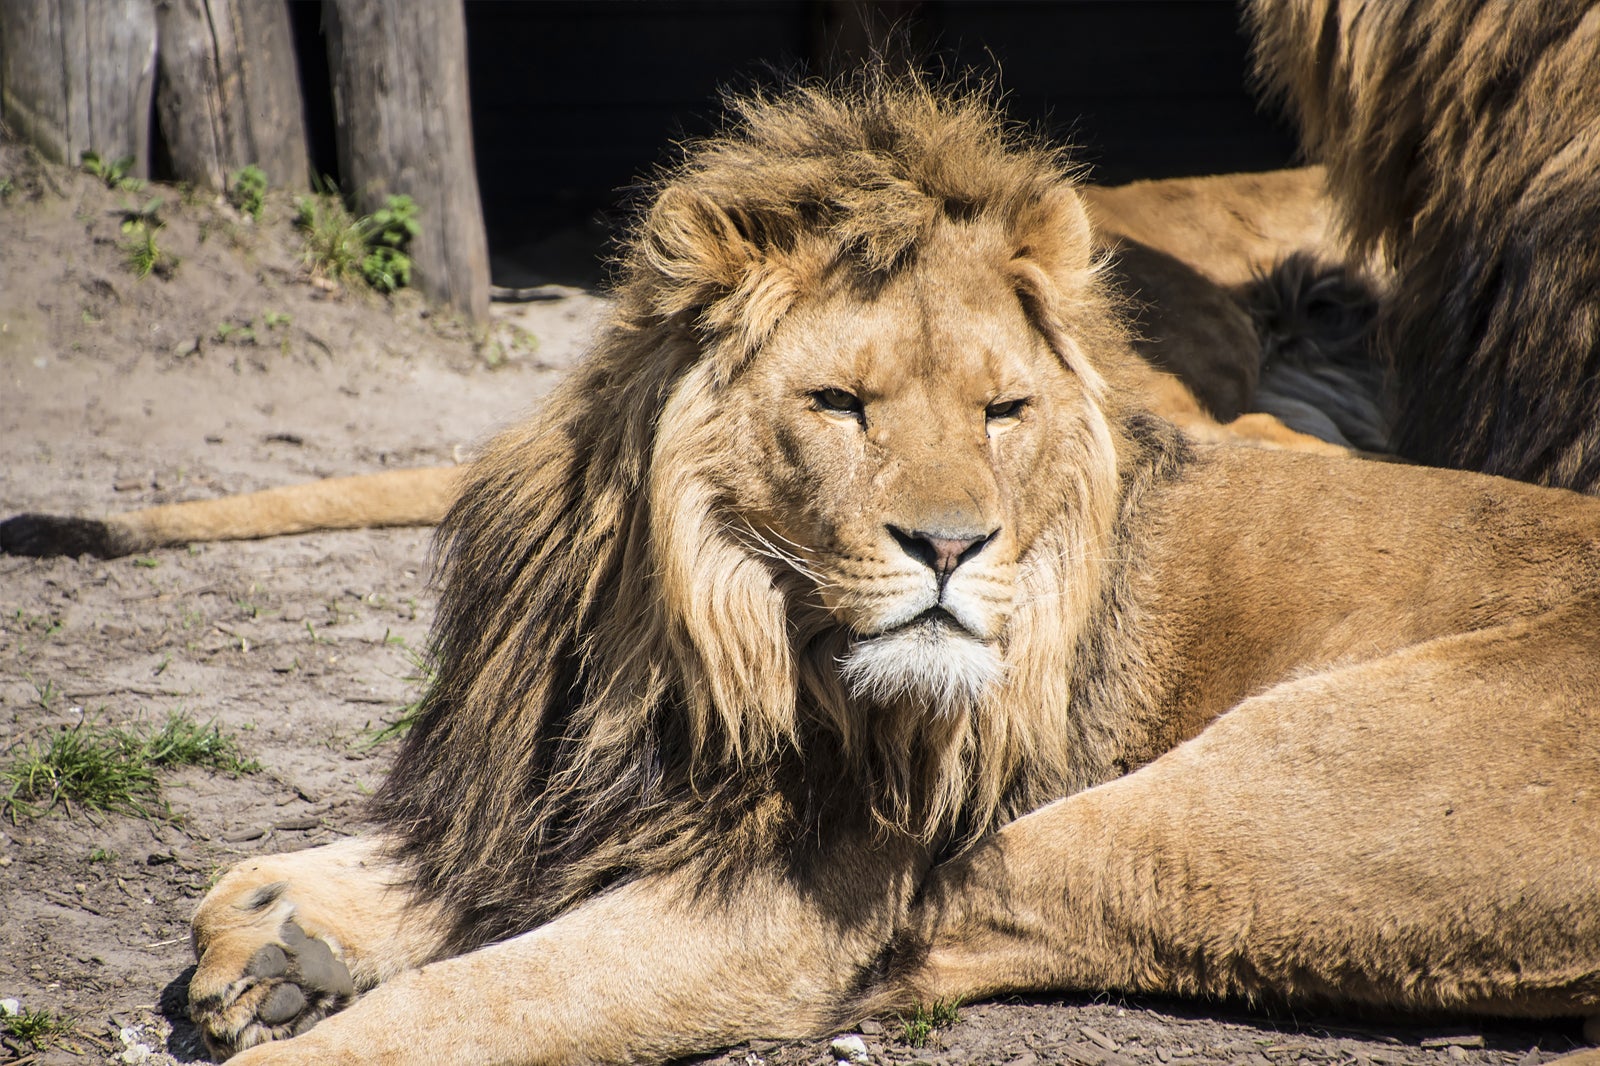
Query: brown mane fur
1462	142
623	685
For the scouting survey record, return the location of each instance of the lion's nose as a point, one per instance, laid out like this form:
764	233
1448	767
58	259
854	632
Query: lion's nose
941	551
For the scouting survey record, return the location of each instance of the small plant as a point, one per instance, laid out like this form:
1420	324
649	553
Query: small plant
247	190
102	855
113	769
181	741
925	1019
7	187
388	233
146	217
45	695
227	331
275	320
39	1028
83	766
341	247
334	242
114	173
144	256
422	677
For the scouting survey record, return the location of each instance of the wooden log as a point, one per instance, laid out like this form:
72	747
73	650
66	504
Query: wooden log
403	124
230	93
76	76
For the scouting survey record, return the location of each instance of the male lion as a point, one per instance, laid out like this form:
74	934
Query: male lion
843	635
1462	142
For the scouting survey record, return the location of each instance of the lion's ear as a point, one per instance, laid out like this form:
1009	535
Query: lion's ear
1053	268
707	266
695	249
1052	231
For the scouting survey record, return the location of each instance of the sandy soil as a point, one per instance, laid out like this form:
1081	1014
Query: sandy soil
117	392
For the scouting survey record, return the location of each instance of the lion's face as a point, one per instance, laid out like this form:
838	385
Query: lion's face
902	448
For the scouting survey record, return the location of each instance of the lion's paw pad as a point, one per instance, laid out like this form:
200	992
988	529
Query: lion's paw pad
285	989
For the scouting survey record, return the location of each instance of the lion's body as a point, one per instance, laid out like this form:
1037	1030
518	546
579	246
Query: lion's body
765	649
1463	144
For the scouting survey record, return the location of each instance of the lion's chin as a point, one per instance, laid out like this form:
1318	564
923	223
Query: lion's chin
931	661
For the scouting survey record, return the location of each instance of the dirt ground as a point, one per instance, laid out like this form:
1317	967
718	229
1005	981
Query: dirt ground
234	372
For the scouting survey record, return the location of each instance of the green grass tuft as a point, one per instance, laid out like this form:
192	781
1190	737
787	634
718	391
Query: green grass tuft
181	741
39	1028
113	769
247	190
926	1018
423	672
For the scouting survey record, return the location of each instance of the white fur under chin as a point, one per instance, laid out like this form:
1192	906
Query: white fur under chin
933	663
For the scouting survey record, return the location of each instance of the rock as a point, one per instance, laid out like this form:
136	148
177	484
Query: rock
849	1048
1097	1037
871	1027
10	1008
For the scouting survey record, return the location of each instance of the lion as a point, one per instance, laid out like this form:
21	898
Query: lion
1462	143
1204	268
845	634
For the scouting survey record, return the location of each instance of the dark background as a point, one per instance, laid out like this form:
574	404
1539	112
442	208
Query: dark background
574	101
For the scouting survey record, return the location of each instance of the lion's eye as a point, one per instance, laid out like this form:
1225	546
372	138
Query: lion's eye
1004	410
837	402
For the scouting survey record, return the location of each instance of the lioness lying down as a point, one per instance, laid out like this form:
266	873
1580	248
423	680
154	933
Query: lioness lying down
844	635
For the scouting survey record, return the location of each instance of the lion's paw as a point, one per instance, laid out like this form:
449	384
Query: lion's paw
282	988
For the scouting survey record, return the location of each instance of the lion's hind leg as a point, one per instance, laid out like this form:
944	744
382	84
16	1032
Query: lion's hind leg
286	940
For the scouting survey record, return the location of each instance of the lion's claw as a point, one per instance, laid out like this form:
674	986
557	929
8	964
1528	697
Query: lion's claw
283	989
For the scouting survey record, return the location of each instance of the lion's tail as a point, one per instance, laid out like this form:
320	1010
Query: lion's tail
394	498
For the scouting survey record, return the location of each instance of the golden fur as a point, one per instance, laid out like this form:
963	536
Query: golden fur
766	648
1462	143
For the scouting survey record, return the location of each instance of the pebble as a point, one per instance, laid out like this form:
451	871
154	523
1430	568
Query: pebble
133	1050
849	1048
1097	1037
10	1008
872	1027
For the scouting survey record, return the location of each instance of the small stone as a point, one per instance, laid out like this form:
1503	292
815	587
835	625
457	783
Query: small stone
297	825
1470	1040
1027	1058
849	1048
872	1027
10	1008
1458	1053
239	836
1097	1037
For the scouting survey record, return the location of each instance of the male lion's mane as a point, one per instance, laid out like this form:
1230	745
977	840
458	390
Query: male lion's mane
624	683
1462	141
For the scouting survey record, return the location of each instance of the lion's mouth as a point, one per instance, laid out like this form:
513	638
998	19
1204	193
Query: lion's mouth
932	658
935	621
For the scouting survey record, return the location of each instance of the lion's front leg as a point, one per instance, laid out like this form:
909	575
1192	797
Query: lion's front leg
650	971
285	940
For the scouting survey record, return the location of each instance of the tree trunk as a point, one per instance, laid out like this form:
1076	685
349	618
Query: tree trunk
76	75
230	91
404	125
